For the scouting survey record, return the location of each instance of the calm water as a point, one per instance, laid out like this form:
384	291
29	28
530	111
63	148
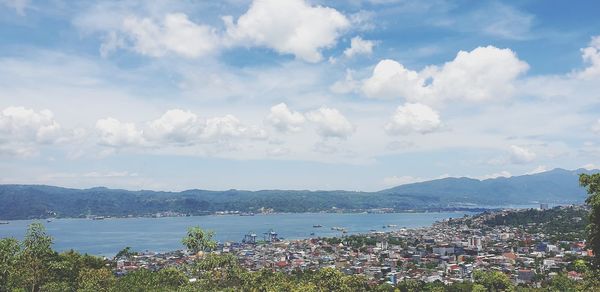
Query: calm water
107	237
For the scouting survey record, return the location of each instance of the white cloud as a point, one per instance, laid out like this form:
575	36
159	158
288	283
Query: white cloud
502	21
521	155
590	166
485	73
503	173
175	34
539	169
228	126
289	27
117	134
591	56
285	120
413	118
19	124
331	123
345	86
392	181
359	46
391	79
175	125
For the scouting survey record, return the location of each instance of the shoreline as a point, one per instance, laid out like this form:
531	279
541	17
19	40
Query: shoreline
478	209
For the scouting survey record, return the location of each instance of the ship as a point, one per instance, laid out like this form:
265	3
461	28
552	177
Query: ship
317	226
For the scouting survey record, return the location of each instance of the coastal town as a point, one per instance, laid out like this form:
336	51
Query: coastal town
449	251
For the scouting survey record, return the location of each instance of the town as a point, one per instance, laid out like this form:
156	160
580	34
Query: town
448	251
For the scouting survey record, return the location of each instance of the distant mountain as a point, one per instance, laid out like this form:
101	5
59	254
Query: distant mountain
555	186
39	201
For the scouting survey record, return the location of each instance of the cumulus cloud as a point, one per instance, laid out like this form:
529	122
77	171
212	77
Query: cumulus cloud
288	27
413	118
358	46
485	73
19	124
391	79
284	120
173	34
117	134
229	126
331	123
175	125
591	56
521	155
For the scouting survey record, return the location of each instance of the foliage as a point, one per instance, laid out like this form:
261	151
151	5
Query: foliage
560	223
493	281
34	201
9	256
592	185
71	271
197	240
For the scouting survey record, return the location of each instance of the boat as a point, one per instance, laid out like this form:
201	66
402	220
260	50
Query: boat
317	226
247	214
48	220
4	222
98	218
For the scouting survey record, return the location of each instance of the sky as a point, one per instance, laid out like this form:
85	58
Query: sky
295	94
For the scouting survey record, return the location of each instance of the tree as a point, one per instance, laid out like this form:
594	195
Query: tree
493	281
96	280
561	282
199	240
9	255
36	256
67	266
592	185
125	253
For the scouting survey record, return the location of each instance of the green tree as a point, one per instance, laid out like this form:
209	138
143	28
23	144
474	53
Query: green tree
592	185
562	283
66	267
101	280
170	278
197	240
127	252
493	281
35	257
9	256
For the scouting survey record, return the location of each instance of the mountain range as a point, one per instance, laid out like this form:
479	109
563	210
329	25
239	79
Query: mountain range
41	201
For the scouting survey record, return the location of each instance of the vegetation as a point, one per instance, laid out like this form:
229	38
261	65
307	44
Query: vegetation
32	201
592	185
562	223
198	240
31	265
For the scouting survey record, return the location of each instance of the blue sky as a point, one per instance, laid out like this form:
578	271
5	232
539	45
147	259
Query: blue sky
263	94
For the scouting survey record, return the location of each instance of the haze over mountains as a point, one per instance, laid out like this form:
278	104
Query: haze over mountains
40	201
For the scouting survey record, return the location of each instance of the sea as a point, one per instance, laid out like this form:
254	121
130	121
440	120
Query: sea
108	236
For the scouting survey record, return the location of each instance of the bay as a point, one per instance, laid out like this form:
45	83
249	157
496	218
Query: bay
106	237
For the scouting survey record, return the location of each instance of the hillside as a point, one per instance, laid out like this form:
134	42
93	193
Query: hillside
39	201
